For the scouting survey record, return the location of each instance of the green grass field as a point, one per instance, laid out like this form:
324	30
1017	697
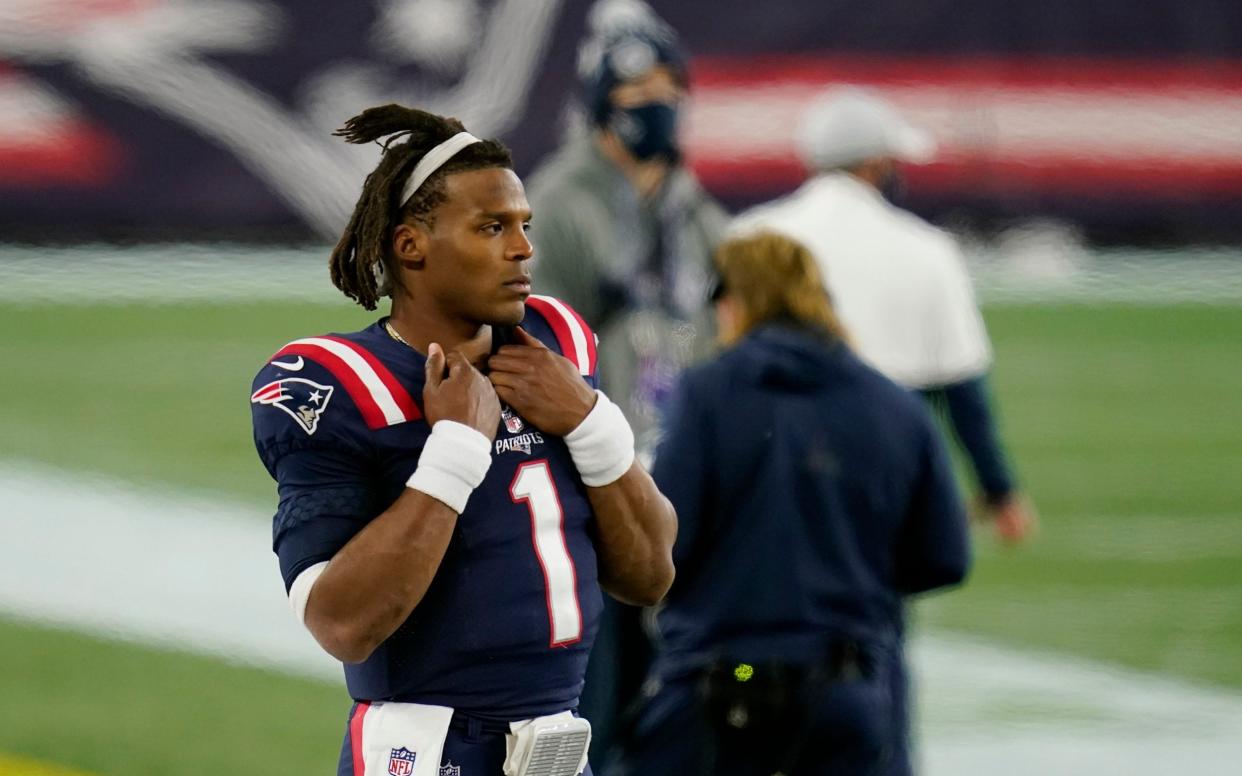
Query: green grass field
1125	423
152	394
1126	426
120	709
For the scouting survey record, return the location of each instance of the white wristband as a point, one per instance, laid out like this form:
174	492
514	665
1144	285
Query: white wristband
454	461
602	445
299	592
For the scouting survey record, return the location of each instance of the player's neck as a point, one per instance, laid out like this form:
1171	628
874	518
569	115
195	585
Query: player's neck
420	325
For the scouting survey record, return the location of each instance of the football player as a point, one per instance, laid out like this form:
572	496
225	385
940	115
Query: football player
454	490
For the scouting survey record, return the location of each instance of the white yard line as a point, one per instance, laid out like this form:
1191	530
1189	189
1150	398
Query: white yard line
190	573
988	710
163	274
198	575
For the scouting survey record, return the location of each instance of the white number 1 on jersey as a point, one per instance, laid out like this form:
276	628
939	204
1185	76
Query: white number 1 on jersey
533	484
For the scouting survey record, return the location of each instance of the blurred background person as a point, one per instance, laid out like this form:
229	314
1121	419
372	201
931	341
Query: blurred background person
899	284
813	495
903	293
624	233
624	230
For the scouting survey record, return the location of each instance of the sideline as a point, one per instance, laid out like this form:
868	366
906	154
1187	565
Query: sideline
154	274
193	574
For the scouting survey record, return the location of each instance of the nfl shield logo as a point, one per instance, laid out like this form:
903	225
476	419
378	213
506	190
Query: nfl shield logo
512	422
450	770
401	762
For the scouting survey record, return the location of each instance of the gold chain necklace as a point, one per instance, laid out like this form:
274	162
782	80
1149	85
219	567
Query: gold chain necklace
395	334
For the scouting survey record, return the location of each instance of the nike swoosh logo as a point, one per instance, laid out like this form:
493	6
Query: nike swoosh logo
290	366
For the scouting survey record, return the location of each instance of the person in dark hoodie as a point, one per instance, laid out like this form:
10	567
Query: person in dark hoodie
814	495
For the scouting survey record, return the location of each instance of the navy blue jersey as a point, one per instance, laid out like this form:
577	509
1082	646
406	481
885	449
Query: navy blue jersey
811	494
506	626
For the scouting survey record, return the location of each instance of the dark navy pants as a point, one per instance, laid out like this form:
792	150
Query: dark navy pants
849	729
899	762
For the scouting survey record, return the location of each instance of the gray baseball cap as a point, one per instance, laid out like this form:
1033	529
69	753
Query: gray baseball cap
847	125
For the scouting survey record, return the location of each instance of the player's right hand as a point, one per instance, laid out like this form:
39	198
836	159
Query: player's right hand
1014	519
455	390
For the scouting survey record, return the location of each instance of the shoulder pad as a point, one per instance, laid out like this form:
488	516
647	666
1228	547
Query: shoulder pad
338	369
573	336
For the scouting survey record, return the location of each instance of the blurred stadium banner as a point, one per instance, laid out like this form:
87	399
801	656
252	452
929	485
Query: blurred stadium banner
44	141
1065	126
178	119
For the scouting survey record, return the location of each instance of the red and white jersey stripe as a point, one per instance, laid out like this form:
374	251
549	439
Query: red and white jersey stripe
381	399
576	339
357	724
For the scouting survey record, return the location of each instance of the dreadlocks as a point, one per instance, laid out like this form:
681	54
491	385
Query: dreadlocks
363	255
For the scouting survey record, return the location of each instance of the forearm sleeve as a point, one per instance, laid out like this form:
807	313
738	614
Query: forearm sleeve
969	411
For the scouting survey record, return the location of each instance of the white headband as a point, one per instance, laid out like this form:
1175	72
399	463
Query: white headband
434	160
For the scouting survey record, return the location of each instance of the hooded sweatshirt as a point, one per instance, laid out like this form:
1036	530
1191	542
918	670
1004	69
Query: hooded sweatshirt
812	494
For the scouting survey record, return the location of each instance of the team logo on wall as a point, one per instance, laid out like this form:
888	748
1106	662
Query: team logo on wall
513	423
401	762
188	75
301	399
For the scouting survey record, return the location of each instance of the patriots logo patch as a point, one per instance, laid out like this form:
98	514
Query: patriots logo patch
303	400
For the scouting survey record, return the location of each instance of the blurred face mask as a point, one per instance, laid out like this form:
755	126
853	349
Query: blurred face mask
648	130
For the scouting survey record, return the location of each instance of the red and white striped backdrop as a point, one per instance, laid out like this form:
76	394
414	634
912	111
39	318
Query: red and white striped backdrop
1059	125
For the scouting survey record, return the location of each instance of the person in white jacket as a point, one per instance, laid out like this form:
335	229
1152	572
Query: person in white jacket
899	286
898	283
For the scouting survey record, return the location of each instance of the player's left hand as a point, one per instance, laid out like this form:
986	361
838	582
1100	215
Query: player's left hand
543	387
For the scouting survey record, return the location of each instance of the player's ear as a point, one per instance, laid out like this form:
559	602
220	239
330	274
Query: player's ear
409	245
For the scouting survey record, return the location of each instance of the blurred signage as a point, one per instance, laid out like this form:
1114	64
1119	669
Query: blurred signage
206	118
1054	125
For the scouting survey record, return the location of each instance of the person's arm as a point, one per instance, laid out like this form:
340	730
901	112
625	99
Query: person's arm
933	548
683	471
636	524
637	528
960	358
374	582
968	408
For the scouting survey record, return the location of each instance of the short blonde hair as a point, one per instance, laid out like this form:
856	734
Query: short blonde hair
773	277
